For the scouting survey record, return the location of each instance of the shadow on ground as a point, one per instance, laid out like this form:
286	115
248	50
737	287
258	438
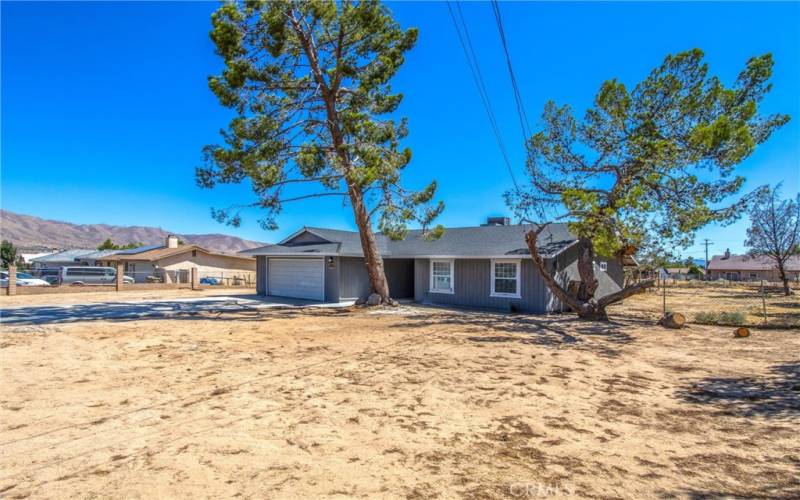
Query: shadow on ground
239	308
776	395
605	338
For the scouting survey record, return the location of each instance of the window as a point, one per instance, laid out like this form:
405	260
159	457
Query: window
442	276
505	278
603	266
753	276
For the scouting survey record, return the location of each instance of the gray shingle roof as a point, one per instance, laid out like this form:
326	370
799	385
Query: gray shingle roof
482	241
749	263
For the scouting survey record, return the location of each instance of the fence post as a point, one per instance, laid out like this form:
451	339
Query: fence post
120	275
664	299
764	300
12	280
195	279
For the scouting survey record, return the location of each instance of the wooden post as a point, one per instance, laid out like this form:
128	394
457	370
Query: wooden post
12	280
118	282
195	279
764	300
664	300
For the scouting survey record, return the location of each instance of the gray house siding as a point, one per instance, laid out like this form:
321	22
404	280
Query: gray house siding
261	275
354	281
306	238
472	287
332	278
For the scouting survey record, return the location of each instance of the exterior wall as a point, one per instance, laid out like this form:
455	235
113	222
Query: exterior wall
332	276
261	275
565	267
354	280
472	287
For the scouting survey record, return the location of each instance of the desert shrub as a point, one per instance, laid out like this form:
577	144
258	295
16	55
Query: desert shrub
719	318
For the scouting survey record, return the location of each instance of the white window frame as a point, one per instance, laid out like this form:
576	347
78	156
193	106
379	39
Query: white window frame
450	262
603	265
516	262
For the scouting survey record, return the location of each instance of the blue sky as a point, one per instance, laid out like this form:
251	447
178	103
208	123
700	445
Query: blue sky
105	106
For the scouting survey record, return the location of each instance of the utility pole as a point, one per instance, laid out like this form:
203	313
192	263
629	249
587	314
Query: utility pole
706	242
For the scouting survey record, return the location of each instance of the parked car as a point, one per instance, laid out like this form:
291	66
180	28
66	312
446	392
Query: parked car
23	279
51	275
88	275
210	281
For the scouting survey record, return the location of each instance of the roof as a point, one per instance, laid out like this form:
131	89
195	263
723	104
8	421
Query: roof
464	242
161	252
144	248
99	254
750	263
64	256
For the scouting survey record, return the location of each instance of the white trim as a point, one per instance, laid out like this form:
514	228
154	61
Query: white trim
452	276
518	264
301	231
603	265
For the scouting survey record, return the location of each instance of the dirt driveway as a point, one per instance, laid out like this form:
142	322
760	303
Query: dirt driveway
409	402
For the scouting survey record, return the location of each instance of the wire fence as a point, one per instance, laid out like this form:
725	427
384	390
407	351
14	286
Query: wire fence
99	276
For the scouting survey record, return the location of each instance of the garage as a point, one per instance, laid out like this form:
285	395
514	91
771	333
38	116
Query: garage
296	278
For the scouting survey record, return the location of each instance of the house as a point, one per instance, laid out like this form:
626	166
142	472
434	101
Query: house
63	258
488	266
751	268
682	273
172	262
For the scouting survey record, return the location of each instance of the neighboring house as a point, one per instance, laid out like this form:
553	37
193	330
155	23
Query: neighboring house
751	268
27	258
172	262
681	273
483	267
63	258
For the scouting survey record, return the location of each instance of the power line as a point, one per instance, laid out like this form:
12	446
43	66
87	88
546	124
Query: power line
474	66
523	116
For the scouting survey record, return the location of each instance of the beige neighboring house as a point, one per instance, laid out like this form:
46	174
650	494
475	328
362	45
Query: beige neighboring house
172	263
747	268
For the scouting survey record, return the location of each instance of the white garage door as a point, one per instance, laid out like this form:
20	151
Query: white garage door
297	278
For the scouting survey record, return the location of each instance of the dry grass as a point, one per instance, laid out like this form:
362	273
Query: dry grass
696	297
415	402
107	294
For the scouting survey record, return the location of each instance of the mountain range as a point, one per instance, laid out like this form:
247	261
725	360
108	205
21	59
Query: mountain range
33	233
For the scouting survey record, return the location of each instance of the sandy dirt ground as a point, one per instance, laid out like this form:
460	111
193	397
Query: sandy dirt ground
410	402
109	295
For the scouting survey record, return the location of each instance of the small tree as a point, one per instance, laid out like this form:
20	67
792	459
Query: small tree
644	168
107	245
309	82
775	231
8	253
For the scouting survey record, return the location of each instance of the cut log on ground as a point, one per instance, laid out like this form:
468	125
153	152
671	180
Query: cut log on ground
673	320
741	332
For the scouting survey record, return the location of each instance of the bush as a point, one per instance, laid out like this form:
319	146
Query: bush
720	318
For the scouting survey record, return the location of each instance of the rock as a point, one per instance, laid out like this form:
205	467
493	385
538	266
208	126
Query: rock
393	303
673	320
374	299
361	301
741	332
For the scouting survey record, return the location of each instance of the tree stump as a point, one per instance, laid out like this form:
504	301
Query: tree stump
741	332
673	320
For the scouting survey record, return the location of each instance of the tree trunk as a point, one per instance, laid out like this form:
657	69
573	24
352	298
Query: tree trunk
590	309
372	256
785	279
589	282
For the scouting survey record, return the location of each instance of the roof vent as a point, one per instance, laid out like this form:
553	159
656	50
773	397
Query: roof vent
498	221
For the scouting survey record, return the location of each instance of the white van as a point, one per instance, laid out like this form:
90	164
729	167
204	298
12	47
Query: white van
86	275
